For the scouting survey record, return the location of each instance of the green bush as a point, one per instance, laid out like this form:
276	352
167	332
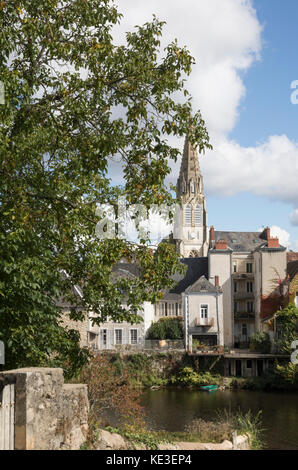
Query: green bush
166	328
260	342
187	376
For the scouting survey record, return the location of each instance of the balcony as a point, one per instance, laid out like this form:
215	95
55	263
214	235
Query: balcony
208	322
244	315
243	276
243	295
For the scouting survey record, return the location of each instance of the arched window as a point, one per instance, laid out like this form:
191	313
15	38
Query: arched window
192	187
197	214
194	254
187	215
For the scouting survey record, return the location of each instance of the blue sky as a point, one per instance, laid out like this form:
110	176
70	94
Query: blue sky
246	54
266	110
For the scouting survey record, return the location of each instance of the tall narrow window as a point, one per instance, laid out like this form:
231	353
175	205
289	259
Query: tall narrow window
234	266
249	287
118	336
197	214
250	307
235	287
188	215
249	267
103	338
204	311
133	336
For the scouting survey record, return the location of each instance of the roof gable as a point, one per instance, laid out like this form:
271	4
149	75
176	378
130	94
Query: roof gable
202	285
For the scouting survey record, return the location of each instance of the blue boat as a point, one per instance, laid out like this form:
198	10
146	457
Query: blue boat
209	388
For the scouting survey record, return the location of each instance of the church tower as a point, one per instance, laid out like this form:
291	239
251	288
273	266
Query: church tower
190	230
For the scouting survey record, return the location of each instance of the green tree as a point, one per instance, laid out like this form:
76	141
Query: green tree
73	100
287	326
166	328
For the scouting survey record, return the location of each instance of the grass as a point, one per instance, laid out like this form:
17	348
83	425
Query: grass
199	430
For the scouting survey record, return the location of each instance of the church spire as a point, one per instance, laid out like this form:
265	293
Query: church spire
190	181
191	228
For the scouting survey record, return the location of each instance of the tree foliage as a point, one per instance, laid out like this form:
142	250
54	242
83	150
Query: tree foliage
166	328
74	100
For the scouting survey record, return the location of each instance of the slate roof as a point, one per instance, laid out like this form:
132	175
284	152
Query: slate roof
202	285
241	241
196	267
244	242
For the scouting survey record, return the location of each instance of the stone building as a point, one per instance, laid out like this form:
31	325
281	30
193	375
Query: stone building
247	267
232	282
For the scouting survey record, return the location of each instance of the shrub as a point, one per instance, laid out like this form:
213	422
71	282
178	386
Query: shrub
260	342
166	328
187	376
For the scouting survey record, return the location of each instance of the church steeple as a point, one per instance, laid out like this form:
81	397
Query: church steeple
190	181
192	227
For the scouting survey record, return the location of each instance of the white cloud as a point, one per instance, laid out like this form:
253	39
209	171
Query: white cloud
270	169
224	36
283	235
294	218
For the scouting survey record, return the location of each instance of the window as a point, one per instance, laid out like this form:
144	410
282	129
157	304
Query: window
192	187
188	215
103	337
249	287
118	336
92	340
194	254
235	287
244	329
179	309
197	215
204	311
234	266
161	309
249	267
133	336
249	364
250	307
235	307
171	309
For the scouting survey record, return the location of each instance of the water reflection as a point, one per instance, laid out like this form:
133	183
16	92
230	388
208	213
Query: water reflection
173	409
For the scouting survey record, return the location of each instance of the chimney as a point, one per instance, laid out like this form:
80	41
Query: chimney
216	281
212	234
273	242
267	233
221	245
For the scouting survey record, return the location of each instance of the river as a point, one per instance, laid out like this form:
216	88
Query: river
173	409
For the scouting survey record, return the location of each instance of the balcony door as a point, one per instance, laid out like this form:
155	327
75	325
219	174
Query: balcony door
204	314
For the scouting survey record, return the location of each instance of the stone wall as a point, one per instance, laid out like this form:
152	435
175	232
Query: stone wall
81	326
49	415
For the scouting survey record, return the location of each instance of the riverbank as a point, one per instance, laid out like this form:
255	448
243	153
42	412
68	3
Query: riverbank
176	368
112	440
